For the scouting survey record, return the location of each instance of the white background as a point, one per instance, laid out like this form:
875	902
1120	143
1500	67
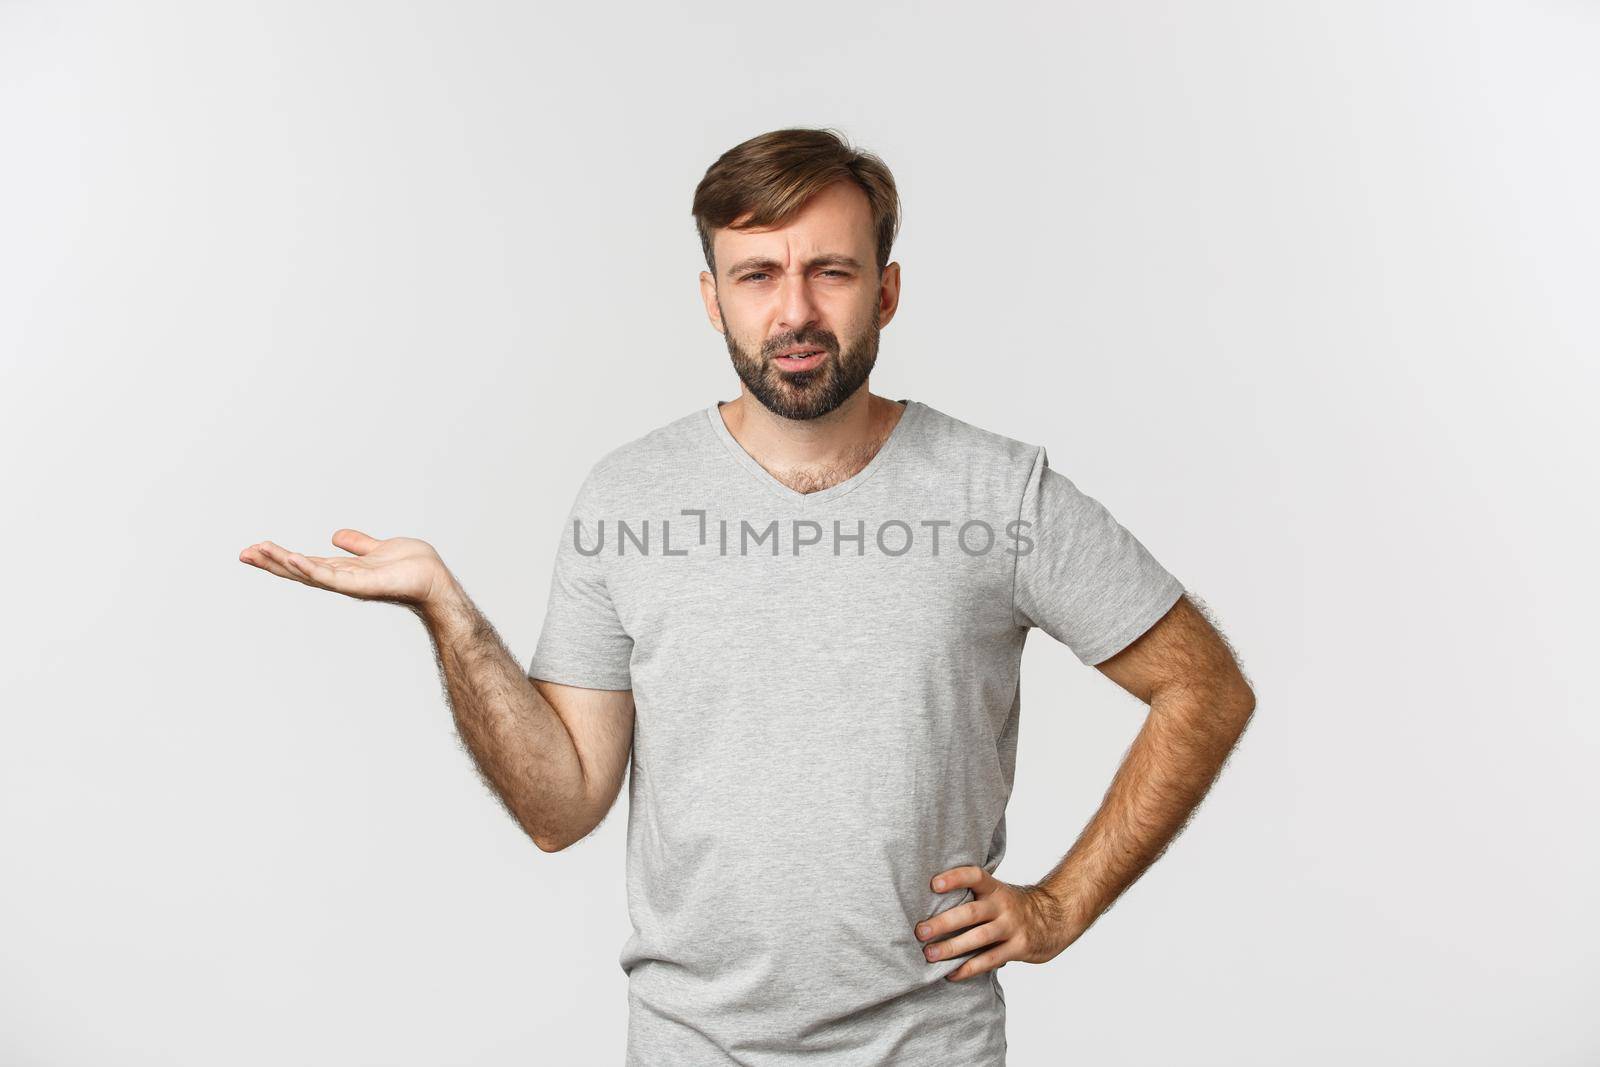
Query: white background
1305	293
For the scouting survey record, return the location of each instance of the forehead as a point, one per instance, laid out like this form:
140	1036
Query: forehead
837	219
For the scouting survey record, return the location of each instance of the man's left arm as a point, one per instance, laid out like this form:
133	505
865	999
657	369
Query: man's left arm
1200	704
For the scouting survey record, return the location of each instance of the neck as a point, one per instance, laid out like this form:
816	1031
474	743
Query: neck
812	454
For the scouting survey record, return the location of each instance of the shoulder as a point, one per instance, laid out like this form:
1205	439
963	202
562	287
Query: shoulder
956	444
648	457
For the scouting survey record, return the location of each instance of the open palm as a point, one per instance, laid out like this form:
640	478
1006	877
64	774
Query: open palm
401	570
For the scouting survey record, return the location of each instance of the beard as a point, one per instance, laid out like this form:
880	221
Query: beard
806	394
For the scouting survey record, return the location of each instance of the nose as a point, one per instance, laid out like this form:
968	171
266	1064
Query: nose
797	308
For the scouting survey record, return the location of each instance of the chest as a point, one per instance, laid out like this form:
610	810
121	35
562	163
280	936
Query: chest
812	609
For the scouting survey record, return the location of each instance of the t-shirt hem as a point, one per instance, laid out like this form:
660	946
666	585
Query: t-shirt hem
1136	627
582	677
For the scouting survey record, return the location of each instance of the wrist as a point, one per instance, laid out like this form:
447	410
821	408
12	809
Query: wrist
446	602
1064	907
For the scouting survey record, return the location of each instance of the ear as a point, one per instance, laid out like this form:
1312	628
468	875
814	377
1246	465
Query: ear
708	294
888	294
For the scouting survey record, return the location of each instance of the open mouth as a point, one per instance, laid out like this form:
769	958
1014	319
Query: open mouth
800	360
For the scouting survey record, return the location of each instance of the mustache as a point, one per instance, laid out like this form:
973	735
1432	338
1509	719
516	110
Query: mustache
827	342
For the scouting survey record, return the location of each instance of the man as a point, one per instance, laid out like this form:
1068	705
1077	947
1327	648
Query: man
799	616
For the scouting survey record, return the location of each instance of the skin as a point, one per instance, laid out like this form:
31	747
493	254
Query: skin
556	755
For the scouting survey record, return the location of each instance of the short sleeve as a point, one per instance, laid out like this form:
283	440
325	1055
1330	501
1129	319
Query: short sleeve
582	642
1086	581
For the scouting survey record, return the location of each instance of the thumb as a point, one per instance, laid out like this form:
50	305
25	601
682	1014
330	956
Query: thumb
354	541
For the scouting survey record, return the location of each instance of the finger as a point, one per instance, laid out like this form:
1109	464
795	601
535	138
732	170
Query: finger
260	560
958	918
273	559
961	944
354	541
303	569
992	960
957	878
321	571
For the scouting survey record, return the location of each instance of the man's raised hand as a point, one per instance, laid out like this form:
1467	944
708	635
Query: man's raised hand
400	570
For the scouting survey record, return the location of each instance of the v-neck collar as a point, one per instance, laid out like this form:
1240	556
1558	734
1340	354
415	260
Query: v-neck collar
720	429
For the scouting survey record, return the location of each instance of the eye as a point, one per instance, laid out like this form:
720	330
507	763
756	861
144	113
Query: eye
756	274
840	273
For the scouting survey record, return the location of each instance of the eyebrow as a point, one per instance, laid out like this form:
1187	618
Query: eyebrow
767	263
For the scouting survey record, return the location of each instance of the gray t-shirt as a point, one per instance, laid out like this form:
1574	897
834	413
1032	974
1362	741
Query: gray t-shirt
827	693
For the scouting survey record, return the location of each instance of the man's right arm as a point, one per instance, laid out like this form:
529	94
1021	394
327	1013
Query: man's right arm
554	754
